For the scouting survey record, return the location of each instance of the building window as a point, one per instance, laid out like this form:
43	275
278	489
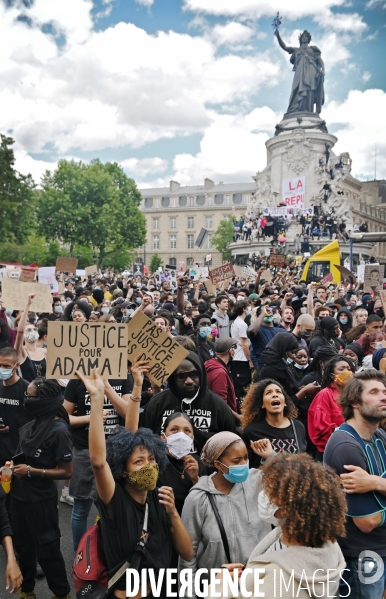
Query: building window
227	199
190	222
208	241
173	242
246	198
209	201
172	261
157	202
173	223
155	242
173	202
191	201
155	223
189	261
208	222
190	242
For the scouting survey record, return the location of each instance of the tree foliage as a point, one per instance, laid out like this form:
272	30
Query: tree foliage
222	238
94	205
16	196
155	263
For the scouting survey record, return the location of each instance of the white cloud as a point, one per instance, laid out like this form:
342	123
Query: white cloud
262	8
232	149
231	33
144	166
146	3
362	122
366	76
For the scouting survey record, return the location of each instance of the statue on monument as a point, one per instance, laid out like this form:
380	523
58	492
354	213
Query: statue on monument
307	93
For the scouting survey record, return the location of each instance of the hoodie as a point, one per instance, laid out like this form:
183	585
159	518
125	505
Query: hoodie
239	515
290	570
220	382
210	413
345	327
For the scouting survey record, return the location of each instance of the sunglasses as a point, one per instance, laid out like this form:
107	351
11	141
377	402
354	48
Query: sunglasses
182	376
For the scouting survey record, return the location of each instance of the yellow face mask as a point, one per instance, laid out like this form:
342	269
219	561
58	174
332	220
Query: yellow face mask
144	479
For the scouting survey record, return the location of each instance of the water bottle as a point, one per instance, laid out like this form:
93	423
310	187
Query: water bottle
6	477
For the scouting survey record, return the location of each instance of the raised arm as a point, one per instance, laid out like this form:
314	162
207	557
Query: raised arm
20	329
282	45
104	480
138	369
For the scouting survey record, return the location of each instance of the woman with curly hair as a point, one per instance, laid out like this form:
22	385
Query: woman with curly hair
325	414
269	413
302	552
126	473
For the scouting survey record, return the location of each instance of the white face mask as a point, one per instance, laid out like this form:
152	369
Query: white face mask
31	335
267	509
179	445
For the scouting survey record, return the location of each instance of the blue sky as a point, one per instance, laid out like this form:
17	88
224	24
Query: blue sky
183	89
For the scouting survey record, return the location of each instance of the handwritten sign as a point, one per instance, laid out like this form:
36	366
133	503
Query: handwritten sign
91	270
152	343
15	295
277	260
84	346
226	271
66	264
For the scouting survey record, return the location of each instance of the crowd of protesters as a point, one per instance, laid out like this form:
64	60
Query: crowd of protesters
269	432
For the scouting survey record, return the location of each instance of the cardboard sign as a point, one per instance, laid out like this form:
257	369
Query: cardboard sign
14	273
327	279
211	289
266	275
226	271
153	344
84	346
66	264
373	280
15	295
91	270
277	260
345	272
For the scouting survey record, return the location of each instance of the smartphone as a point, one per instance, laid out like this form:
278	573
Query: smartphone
19	459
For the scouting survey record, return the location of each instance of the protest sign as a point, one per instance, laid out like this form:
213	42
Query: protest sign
200	239
249	271
221	273
211	289
277	260
266	275
345	272
138	269
15	295
327	279
361	273
372	280
181	267
152	343
14	273
46	275
91	270
64	264
27	276
294	192
84	346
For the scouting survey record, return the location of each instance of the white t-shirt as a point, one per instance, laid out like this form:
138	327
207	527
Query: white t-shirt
239	331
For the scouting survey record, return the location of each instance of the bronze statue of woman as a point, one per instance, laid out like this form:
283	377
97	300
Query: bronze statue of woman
308	85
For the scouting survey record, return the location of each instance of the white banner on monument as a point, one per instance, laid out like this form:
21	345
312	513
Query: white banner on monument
267	211
294	192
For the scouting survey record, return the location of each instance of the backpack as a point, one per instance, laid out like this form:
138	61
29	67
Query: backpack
89	571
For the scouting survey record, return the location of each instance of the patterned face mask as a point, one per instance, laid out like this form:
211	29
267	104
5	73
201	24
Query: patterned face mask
144	479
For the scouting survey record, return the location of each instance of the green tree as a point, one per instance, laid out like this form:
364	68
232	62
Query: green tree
16	196
94	205
155	263
222	238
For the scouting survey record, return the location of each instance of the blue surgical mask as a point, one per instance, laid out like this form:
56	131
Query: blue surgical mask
105	310
301	366
289	360
58	308
138	300
343	320
8	311
237	474
5	374
129	311
97	287
204	332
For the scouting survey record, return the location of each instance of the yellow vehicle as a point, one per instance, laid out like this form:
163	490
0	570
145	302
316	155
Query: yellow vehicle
321	263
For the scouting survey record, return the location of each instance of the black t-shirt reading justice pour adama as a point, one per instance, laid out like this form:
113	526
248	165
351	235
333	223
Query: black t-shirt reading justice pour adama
14	415
77	394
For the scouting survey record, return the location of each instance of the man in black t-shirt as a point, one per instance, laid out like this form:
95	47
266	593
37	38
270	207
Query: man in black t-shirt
12	412
363	403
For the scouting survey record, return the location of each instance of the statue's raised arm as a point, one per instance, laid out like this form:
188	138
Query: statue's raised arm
307	93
